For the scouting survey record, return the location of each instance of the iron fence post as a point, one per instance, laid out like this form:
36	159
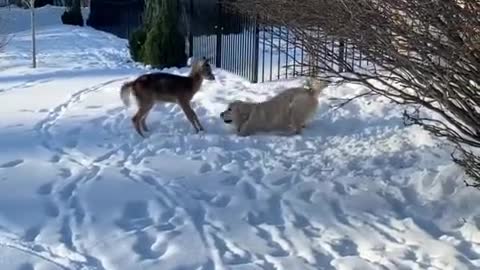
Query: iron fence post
341	56
256	51
218	53
190	32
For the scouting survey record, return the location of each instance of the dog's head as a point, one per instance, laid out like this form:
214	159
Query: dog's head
237	112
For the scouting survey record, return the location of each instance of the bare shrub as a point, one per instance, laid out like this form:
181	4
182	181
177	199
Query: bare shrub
423	53
4	37
31	5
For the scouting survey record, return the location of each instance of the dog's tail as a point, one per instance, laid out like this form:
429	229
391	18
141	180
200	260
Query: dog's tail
316	86
125	93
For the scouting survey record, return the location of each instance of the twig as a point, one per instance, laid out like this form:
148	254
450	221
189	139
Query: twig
346	101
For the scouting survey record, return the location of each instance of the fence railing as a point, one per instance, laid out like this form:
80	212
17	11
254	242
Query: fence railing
237	43
260	53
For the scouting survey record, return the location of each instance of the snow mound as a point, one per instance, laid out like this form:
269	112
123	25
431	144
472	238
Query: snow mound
14	19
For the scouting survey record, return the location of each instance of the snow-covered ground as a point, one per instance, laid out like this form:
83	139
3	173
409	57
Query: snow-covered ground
16	19
80	190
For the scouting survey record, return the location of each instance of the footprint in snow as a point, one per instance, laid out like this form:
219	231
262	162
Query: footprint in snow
65	173
26	266
205	168
282	181
11	164
55	159
221	201
136	216
345	247
230	180
31	234
51	210
71	144
249	191
45	189
143	246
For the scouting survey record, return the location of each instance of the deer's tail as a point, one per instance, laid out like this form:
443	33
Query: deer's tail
125	93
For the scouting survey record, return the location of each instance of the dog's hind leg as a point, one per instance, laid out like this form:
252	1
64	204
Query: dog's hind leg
302	109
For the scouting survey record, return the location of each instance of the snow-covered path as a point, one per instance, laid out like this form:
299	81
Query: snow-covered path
80	190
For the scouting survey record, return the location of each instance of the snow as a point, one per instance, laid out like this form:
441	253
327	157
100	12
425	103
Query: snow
15	19
80	190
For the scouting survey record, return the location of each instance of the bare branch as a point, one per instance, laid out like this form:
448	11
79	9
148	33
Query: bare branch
424	53
345	101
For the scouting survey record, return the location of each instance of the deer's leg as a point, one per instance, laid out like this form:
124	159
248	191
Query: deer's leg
144	120
195	117
139	117
135	123
191	116
199	125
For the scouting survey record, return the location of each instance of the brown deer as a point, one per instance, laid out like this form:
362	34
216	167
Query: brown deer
149	89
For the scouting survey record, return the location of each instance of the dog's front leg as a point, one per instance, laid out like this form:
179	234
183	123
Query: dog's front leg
243	130
295	131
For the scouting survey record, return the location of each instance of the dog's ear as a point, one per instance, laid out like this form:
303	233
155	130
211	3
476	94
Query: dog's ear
243	111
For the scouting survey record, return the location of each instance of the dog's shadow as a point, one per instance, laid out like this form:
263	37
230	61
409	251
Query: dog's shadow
183	127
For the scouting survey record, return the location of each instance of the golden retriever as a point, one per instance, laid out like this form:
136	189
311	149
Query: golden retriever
287	112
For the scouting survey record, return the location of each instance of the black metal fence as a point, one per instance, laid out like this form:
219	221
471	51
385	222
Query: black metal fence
260	53
232	41
120	18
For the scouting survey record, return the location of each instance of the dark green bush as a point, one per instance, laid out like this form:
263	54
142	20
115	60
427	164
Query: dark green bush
164	45
41	3
136	43
73	15
72	18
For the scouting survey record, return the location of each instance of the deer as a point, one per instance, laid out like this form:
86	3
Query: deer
158	87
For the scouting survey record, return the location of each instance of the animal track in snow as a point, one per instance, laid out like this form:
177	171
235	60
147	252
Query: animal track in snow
11	164
45	189
26	266
135	216
249	190
51	209
231	180
221	201
143	246
31	233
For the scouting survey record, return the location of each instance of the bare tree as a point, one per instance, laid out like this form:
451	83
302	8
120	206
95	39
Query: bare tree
423	53
3	37
31	4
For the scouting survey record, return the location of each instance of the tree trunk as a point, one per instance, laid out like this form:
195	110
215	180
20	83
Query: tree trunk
76	5
34	47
